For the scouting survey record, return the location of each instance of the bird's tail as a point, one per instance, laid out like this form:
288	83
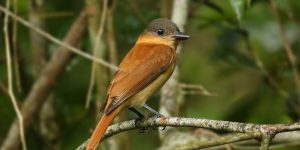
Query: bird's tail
100	130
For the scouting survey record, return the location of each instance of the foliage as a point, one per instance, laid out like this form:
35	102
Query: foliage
228	38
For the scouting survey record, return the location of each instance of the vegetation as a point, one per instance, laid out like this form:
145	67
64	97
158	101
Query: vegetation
240	64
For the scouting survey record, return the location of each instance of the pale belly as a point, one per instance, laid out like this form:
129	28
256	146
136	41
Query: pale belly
141	97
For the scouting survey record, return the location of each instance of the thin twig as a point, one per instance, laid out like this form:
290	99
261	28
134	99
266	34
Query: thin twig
45	82
287	47
10	79
266	140
51	15
96	45
57	41
195	89
256	129
3	88
15	49
281	140
200	138
217	141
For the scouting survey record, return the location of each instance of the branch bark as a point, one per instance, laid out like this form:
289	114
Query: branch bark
281	140
44	84
193	141
254	130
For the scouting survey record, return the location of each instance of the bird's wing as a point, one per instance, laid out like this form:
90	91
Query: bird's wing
142	65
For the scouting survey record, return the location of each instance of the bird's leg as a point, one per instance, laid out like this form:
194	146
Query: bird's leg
139	114
157	114
138	120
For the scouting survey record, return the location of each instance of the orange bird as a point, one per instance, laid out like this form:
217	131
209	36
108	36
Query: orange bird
144	70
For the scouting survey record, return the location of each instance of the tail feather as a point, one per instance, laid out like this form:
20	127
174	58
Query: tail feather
100	130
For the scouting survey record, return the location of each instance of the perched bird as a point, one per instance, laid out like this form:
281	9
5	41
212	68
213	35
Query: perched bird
144	70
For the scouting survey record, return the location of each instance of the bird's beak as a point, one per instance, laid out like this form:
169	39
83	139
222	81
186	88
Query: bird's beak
180	36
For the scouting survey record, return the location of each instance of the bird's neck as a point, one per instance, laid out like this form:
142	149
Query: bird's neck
151	39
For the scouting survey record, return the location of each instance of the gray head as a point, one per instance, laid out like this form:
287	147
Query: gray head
165	28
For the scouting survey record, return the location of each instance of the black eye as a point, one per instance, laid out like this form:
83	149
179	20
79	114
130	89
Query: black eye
160	31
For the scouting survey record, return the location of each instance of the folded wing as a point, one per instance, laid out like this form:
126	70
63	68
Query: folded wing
142	65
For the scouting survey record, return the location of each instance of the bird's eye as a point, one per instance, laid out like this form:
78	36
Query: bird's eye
160	31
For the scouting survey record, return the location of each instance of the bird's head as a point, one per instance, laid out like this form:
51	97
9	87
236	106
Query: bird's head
162	31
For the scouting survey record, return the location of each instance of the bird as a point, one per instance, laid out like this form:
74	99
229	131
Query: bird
142	72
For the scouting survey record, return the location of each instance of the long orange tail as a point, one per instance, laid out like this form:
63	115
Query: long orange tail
100	130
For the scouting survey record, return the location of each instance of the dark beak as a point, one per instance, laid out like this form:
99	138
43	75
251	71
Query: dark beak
180	36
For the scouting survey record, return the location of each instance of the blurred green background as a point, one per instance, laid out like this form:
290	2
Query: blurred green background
221	55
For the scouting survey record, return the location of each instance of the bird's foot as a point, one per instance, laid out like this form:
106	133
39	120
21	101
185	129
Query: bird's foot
137	123
156	116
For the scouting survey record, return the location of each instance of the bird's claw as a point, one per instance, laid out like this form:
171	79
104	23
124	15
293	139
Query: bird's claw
137	123
163	128
156	116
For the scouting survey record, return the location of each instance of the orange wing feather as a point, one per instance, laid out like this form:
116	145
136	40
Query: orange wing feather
142	65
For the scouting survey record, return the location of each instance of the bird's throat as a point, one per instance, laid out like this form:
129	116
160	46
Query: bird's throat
151	39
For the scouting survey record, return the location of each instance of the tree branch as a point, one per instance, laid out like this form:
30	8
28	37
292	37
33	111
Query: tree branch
254	130
203	138
15	48
20	120
266	140
281	140
43	85
198	142
57	41
195	89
